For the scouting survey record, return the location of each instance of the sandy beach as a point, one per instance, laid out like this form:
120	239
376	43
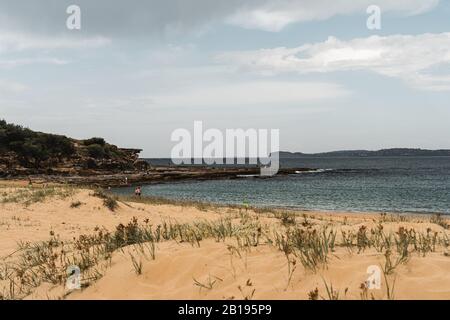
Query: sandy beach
144	249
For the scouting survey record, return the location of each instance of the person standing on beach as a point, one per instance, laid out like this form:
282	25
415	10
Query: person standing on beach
137	191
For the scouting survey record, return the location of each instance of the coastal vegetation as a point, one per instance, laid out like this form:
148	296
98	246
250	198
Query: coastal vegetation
24	151
32	148
310	245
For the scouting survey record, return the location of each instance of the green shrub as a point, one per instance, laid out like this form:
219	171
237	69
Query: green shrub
96	151
34	147
286	218
95	140
111	203
76	204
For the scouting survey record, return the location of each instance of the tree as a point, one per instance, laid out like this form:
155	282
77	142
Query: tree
35	152
96	151
33	147
99	141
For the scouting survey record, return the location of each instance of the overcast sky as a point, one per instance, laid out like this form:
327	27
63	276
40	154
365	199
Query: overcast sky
137	70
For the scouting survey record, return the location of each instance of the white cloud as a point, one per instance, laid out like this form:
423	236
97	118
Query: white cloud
407	57
274	15
16	42
11	87
12	63
251	93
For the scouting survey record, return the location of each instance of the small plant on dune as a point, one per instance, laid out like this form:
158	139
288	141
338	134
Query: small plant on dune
111	203
233	251
362	241
348	238
311	246
390	287
379	240
209	284
364	294
286	218
383	217
445	241
248	240
245	217
332	294
403	240
30	195
99	193
389	265
364	291
292	266
426	242
152	249
137	265
314	294
440	221
76	204
306	223
247	291
345	222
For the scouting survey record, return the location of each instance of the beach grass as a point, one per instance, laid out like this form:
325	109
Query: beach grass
308	244
31	195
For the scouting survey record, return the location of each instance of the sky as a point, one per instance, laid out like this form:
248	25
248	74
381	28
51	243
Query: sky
138	70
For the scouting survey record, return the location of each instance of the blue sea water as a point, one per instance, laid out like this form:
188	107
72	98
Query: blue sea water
384	184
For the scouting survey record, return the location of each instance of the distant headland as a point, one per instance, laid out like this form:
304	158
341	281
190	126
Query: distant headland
394	152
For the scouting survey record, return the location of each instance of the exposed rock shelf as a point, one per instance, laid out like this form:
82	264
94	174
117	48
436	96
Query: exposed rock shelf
157	175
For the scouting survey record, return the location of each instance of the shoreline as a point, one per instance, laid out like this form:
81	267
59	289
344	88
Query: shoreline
168	200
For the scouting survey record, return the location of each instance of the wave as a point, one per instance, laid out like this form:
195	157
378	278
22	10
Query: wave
314	171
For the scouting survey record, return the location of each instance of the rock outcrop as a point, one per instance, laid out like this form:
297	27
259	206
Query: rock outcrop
26	152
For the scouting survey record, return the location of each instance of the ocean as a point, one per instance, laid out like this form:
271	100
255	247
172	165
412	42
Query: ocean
359	184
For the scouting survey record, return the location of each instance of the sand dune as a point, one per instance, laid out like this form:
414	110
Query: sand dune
172	276
223	269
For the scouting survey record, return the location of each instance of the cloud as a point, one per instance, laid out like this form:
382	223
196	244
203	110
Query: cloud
12	63
251	93
16	42
11	87
407	57
146	17
275	15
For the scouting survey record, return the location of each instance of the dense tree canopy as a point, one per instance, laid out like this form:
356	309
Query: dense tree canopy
33	147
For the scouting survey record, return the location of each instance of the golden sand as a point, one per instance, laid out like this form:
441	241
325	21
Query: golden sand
214	270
